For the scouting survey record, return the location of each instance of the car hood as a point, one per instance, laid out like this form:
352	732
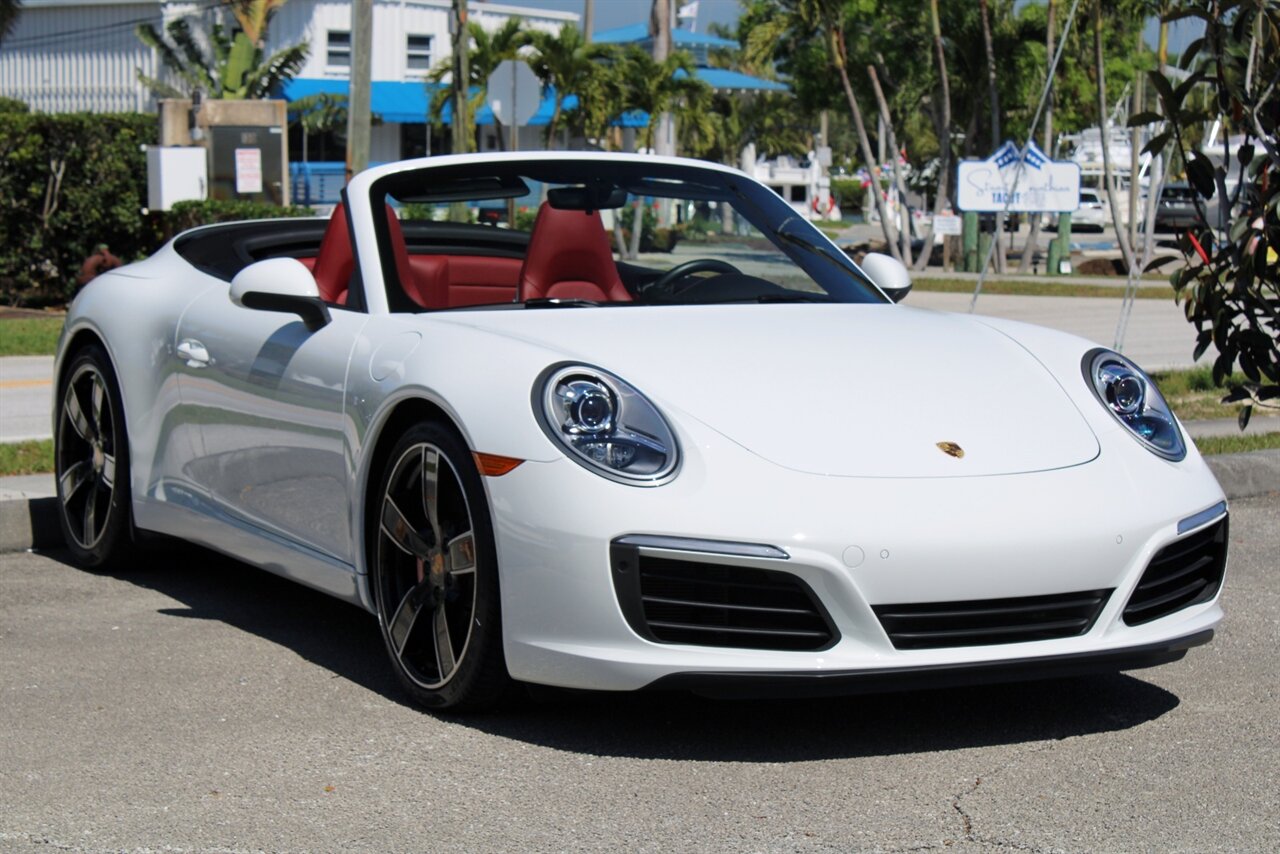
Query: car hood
840	390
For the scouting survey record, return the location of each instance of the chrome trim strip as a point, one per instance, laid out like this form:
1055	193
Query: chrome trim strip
717	547
1192	522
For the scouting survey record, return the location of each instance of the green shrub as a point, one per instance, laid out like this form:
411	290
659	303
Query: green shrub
68	182
848	193
186	215
524	218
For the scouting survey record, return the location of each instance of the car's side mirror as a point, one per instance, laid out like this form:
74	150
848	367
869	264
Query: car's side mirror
889	274
281	284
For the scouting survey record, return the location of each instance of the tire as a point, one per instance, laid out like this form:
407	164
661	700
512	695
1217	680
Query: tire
434	573
91	462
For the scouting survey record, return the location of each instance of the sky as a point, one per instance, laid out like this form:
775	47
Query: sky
619	13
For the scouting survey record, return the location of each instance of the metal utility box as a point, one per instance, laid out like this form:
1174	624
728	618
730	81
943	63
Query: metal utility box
247	164
248	150
175	174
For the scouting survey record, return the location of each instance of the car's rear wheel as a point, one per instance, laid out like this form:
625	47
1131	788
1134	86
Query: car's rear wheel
434	573
91	461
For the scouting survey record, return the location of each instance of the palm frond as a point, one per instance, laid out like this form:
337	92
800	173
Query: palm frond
158	87
278	69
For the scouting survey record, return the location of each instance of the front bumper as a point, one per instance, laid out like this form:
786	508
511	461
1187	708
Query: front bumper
840	683
856	543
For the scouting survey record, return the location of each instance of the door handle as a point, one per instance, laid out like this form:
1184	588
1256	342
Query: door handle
194	353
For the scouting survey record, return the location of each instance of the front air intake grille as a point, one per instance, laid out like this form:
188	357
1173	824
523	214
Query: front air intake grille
1185	572
709	604
978	622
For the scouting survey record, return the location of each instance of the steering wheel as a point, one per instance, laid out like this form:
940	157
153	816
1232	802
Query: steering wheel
664	285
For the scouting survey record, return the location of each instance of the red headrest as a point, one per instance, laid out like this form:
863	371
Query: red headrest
569	257
335	261
404	271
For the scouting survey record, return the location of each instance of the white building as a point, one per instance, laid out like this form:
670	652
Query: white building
82	55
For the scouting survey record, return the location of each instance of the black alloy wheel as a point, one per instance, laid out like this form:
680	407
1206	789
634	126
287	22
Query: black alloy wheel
91	461
434	573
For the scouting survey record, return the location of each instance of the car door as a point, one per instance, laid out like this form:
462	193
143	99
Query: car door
268	396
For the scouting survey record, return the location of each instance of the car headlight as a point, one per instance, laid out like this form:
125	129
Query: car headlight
1133	399
605	425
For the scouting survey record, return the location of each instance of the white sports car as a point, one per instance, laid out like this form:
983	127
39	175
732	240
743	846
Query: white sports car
733	466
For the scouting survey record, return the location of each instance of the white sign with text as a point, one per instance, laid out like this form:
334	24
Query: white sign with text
995	184
947	224
248	170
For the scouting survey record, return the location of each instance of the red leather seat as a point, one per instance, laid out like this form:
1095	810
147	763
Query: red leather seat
569	258
404	270
334	261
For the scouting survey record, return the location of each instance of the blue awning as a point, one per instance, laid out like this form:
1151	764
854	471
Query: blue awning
391	100
629	119
722	79
639	34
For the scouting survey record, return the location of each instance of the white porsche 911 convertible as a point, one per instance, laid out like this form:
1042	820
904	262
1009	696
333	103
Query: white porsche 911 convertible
734	466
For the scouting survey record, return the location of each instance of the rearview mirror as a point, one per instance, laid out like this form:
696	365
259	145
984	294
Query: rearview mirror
889	274
281	284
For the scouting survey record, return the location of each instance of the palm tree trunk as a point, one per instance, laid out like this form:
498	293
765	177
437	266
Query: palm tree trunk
994	96
1122	235
1033	239
897	169
555	122
864	143
943	129
637	221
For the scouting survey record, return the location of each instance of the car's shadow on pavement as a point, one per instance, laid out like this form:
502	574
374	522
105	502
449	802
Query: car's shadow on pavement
345	641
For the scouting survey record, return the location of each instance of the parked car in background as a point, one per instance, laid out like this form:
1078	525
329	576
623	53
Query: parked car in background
1092	215
1177	208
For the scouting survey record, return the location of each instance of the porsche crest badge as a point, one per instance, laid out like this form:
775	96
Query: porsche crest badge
951	449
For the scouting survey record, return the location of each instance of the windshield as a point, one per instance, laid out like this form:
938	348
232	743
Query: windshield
573	233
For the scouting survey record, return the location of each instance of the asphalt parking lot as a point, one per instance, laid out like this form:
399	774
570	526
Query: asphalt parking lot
194	704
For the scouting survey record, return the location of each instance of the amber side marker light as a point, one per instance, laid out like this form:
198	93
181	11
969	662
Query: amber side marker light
492	465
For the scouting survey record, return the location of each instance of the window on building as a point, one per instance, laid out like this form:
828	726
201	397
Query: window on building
339	55
418	53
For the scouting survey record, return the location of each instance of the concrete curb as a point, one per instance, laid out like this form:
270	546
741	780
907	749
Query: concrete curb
29	516
1248	474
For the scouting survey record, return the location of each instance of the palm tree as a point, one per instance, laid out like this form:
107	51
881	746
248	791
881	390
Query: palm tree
942	127
321	113
994	94
488	51
237	69
1122	234
655	88
566	63
253	16
828	16
8	16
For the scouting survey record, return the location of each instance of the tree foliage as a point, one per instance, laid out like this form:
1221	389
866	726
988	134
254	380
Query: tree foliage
1230	286
68	183
488	51
9	10
566	63
894	36
235	67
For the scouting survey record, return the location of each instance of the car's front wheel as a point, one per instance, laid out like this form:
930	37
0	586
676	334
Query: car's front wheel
434	573
91	461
